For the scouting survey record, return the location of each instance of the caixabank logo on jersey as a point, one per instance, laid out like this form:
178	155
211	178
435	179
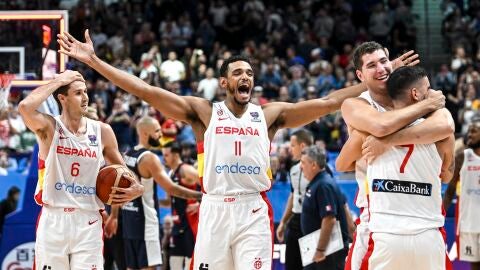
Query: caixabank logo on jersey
405	187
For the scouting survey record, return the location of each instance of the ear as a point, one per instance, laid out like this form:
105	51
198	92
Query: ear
415	94
223	82
359	75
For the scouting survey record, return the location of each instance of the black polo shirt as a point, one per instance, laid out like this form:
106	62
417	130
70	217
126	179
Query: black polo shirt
323	198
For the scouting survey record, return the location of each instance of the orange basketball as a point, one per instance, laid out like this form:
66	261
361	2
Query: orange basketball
111	176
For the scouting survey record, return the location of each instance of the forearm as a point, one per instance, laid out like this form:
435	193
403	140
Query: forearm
185	193
325	232
33	101
351	151
287	214
338	96
448	196
114	211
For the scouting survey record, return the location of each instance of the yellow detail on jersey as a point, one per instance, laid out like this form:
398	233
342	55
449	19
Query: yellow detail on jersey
200	164
458	188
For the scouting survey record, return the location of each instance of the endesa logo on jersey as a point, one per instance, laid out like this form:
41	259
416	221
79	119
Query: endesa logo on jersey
75	189
237	131
76	152
405	187
237	168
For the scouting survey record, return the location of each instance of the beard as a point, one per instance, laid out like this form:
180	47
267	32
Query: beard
474	145
153	142
232	92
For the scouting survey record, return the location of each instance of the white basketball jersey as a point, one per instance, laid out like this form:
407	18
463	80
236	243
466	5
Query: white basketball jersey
405	190
469	193
361	164
68	176
236	152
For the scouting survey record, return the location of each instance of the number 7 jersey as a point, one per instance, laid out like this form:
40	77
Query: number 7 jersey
236	157
405	190
67	177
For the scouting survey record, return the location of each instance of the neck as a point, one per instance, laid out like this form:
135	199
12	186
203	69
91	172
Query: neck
237	109
381	98
176	163
73	124
398	104
141	145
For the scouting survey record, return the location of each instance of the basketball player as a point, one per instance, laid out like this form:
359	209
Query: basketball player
369	113
233	141
142	246
72	148
405	189
465	182
185	221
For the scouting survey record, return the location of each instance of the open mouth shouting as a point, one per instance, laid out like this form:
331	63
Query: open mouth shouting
243	91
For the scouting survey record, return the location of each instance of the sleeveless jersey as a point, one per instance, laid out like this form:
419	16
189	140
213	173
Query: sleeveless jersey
469	193
234	156
405	190
140	216
361	200
181	220
67	177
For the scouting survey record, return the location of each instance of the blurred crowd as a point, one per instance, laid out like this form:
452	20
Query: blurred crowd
300	50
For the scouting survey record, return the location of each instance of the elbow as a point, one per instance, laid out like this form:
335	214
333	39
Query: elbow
380	130
23	107
340	166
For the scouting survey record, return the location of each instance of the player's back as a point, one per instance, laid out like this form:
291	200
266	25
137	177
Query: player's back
67	177
235	159
405	190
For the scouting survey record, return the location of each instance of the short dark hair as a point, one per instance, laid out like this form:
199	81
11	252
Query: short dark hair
303	136
61	90
402	79
232	59
174	147
362	49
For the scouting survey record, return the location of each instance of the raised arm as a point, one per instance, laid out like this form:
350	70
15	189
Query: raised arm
351	152
452	186
289	115
150	165
359	114
171	105
41	124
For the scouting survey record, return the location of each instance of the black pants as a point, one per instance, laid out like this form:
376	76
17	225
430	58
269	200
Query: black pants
293	261
335	261
113	251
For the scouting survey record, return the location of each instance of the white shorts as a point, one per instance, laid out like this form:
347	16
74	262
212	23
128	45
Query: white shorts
69	238
469	247
425	250
234	232
359	246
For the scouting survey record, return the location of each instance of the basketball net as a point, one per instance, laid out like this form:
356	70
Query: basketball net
5	84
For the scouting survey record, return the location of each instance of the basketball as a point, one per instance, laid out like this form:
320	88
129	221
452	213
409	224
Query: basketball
111	176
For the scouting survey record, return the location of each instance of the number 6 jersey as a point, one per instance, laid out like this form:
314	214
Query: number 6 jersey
236	152
67	177
405	190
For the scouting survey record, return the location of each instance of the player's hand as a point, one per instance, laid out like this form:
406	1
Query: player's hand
110	228
68	76
123	195
281	232
192	208
409	58
83	52
319	256
436	99
373	147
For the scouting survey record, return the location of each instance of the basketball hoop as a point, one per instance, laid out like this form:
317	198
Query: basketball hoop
5	84
6	81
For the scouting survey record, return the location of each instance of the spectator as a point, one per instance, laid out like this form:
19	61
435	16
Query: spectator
207	87
172	69
8	205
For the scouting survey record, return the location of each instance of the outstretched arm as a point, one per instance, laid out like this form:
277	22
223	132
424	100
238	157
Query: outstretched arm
170	104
